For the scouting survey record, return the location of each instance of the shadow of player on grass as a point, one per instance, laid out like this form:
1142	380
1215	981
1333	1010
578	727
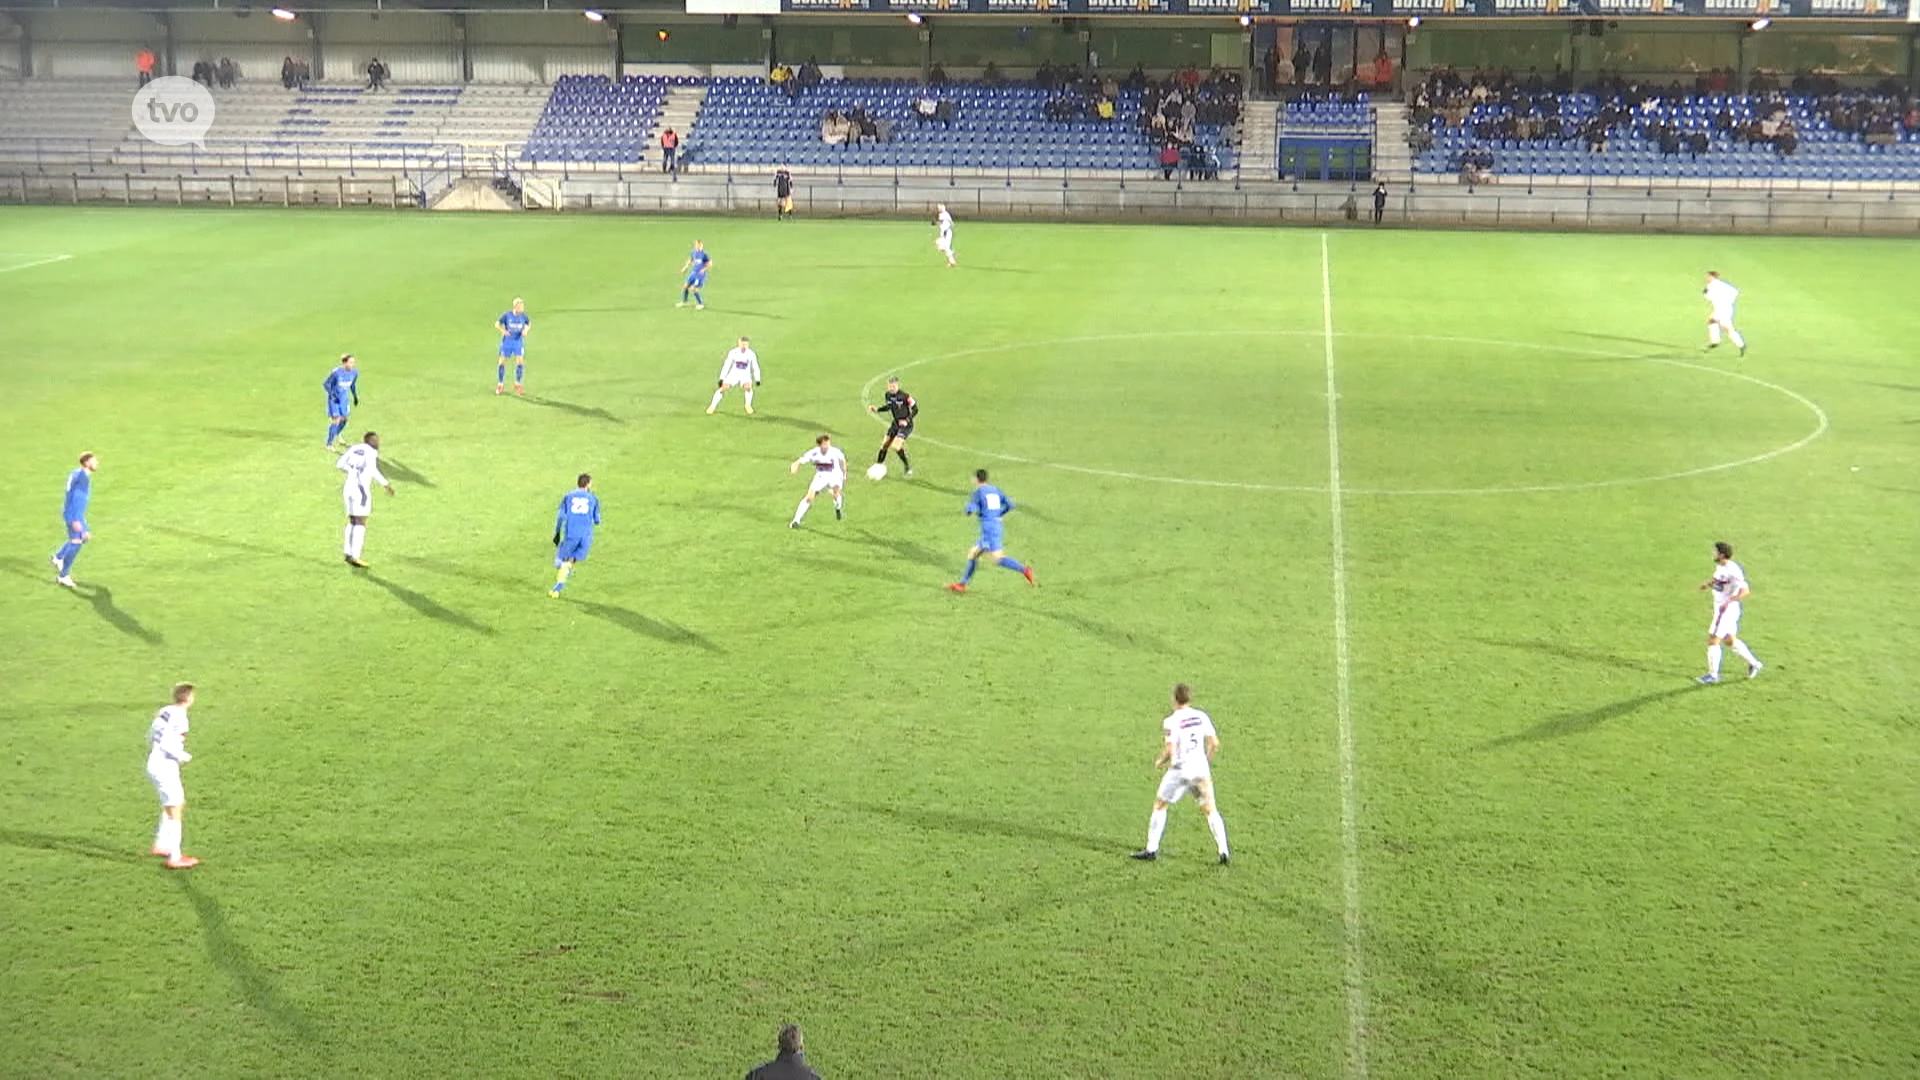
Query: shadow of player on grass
256	987
71	845
588	411
116	616
1568	724
396	471
634	622
428	606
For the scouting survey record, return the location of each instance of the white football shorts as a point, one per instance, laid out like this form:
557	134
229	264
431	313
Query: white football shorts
359	500
1726	620
1723	316
166	782
824	480
945	243
737	378
1175	784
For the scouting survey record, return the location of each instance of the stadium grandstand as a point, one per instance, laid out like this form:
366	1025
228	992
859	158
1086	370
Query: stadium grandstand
1491	112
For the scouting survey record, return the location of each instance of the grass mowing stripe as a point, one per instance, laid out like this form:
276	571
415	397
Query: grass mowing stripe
1355	976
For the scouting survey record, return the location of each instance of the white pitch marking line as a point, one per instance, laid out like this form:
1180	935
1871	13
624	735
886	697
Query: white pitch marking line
1820	416
32	261
1355	976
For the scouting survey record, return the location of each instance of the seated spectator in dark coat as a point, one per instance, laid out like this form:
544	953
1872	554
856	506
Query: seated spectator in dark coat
943	112
937	76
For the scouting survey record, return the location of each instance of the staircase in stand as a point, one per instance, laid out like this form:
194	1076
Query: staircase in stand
678	112
1392	159
1260	139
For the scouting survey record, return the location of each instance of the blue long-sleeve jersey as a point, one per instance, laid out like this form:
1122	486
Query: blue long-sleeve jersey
340	385
990	503
79	492
579	513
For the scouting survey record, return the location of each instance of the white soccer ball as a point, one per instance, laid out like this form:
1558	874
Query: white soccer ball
876	471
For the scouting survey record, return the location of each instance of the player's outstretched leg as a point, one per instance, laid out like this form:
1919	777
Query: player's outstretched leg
560	579
902	455
1217	825
1012	564
718	395
684	291
1156	828
1753	662
1738	341
800	512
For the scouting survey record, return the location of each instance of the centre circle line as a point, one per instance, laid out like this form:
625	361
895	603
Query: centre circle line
1820	428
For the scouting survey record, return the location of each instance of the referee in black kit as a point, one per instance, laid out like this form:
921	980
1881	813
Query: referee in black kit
782	193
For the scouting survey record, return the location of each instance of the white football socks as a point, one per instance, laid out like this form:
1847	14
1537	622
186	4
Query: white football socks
1217	825
1740	650
801	511
1734	336
346	541
1156	827
356	539
749	394
715	403
1713	659
167	837
1713	333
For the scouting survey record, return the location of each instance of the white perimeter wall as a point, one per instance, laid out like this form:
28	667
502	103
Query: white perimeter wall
537	48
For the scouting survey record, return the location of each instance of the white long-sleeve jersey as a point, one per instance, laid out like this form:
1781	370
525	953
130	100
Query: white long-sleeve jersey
167	737
741	362
361	463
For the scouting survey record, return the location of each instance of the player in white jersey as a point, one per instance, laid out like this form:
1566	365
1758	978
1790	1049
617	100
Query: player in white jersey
1186	752
1729	585
166	752
741	368
829	474
1720	296
361	463
943	243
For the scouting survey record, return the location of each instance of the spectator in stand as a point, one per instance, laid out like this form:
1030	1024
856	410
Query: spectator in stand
143	62
810	74
1379	202
288	73
924	108
937	76
376	74
670	152
1169	160
1323	65
1383	70
1302	60
227	72
992	75
791	1063
783	79
1137	78
943	112
1104	110
203	73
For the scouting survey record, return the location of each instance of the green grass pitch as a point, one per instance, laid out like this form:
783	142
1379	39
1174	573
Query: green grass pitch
742	775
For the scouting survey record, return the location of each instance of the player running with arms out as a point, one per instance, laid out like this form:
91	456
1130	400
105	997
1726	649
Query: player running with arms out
1721	294
166	752
741	368
900	405
1188	745
513	327
829	474
989	504
1729	585
943	241
343	393
573	530
697	265
73	517
361	463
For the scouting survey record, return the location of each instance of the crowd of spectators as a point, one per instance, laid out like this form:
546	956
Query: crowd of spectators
211	73
1531	108
853	127
1306	66
295	73
793	81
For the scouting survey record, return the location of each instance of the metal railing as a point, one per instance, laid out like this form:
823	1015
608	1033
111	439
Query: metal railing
222	156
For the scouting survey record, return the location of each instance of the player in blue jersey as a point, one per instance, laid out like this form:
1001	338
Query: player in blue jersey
573	530
73	514
513	346
989	504
698	263
343	393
